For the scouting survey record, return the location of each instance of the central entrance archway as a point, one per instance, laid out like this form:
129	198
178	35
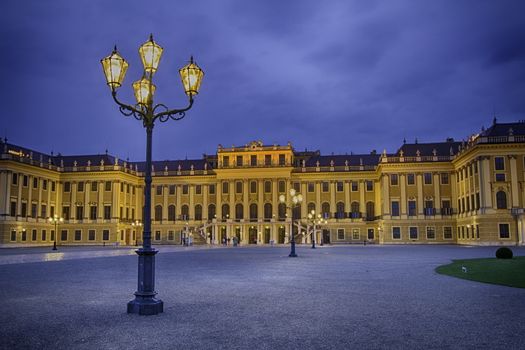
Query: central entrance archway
252	235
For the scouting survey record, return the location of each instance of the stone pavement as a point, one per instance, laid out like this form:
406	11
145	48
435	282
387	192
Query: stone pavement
344	297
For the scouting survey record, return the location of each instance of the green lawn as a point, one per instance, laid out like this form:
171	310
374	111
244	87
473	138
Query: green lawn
507	272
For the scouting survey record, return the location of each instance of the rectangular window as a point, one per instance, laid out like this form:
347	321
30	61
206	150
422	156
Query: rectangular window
185	189
132	213
355	234
171	235
80	212
226	161
339	186
253	187
122	187
267	160
52	235
239	160
396	232
24	210
80	186
427	178
63	235
44	235
65	212
24	235
411	179
311	187
354	186
14	180
33	235
33	210
394	180
172	189
324	186
91	235
52	211
412	232
105	235
395	208
267	186
499	163
225	187
43	211
444	179
445	207
238	187
500	177
253	160
93	212
157	235
369	185
212	189
67	186
504	231
53	184
13	209
78	235
159	190
412	208
35	182
13	236
431	232
25	180
198	189
282	159
94	186
447	232
282	186
44	185
340	233
107	186
107	212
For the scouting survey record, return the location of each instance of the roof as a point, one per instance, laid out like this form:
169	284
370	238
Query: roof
340	160
505	129
427	149
173	165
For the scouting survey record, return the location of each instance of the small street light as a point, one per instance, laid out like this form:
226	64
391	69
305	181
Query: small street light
136	225
296	200
55	219
314	221
148	113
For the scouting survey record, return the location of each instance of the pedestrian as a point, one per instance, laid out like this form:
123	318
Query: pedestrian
223	241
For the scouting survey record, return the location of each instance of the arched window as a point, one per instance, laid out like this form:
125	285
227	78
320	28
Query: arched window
211	211
185	212
311	206
354	208
370	212
198	212
158	212
282	211
296	212
325	210
253	211
501	200
171	213
239	212
340	209
268	211
225	211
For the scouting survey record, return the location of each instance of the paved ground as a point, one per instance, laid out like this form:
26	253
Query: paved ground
351	297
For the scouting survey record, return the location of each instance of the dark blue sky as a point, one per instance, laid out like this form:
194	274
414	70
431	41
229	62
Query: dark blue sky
339	76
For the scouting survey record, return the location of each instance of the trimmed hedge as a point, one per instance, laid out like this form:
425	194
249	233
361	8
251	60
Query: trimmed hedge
504	253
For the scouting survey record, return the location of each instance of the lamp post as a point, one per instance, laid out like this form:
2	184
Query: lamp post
144	110
136	225
55	219
314	221
296	199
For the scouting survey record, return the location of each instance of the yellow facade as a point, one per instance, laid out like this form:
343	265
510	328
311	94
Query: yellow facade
447	192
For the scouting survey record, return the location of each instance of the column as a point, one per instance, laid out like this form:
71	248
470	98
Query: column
332	197
73	205
362	202
420	198
5	205
19	196
514	182
29	196
245	198
165	202
347	196
275	202
205	203
192	201
403	204
453	188
218	200
115	203
100	200
260	199
386	194
49	198
485	185
318	197
232	204
304	205
87	189
39	203
178	211
437	193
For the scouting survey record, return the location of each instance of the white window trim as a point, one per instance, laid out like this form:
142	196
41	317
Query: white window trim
426	233
451	230
400	233
417	231
358	230
344	234
499	232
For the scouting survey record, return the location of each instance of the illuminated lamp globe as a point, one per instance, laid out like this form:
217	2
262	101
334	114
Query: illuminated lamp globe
150	53
282	198
115	68
191	76
144	91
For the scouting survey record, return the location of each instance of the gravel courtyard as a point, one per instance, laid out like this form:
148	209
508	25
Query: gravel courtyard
341	297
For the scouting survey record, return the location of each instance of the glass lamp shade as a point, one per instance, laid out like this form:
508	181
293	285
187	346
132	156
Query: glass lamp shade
309	216
150	53
115	68
282	198
144	90
313	212
292	191
295	200
191	76
299	198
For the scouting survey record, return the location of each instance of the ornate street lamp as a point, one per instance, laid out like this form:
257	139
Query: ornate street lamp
296	199
314	221
136	225
55	219
145	110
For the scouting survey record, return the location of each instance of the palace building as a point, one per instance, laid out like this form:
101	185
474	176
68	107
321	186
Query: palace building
469	192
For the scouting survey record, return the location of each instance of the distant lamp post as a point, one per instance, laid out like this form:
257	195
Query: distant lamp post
147	112
295	200
314	221
55	219
136	225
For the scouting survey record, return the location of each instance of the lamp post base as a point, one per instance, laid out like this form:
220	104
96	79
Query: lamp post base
54	246
145	306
